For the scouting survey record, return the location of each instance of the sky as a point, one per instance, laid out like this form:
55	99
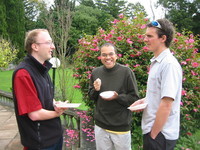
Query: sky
146	3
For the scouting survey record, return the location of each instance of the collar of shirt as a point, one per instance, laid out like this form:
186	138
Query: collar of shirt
161	56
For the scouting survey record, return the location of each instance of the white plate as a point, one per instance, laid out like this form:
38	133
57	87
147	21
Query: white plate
68	105
138	107
107	94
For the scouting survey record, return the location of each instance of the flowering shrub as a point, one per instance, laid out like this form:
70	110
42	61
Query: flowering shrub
87	126
7	53
71	138
128	36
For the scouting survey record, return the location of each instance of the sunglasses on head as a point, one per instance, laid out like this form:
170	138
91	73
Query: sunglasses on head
156	24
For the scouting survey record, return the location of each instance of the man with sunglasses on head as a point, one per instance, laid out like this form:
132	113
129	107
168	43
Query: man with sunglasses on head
112	118
37	117
161	117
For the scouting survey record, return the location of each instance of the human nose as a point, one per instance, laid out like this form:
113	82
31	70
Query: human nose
145	38
52	46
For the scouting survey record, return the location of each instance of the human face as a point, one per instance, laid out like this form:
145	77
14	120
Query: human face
108	56
153	42
43	48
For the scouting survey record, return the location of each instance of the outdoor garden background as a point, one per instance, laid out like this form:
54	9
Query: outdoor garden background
78	30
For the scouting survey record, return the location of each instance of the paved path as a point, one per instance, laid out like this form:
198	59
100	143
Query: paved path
9	135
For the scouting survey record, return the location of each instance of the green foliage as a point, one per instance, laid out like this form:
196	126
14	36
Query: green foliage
7	53
15	24
185	49
3	26
185	13
128	35
189	142
112	7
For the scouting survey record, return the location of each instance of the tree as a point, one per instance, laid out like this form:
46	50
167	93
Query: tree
31	13
89	3
87	20
15	24
133	10
3	26
58	19
112	7
184	13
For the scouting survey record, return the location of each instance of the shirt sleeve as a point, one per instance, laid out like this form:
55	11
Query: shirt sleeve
26	93
172	78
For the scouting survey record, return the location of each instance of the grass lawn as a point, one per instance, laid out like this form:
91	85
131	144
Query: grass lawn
6	80
74	95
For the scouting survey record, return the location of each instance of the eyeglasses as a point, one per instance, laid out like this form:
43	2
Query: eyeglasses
156	24
48	43
105	55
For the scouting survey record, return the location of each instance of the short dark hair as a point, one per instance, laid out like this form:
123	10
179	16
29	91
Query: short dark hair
167	29
107	45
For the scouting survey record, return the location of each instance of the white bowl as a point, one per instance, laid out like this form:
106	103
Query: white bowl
138	107
68	105
107	94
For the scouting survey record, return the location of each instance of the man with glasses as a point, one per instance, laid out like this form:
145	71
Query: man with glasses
161	117
38	120
112	118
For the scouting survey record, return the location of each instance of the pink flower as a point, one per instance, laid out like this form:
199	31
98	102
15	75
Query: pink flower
77	86
115	21
189	133
193	73
187	115
143	26
129	41
119	38
181	103
76	75
189	41
101	31
137	65
121	16
146	19
119	55
140	36
188	59
183	63
94	49
195	64
145	48
175	40
195	110
99	57
179	34
183	92
112	32
127	65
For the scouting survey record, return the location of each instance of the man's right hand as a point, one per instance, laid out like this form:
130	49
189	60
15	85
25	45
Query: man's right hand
97	84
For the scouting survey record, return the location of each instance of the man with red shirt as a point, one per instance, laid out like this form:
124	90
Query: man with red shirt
38	119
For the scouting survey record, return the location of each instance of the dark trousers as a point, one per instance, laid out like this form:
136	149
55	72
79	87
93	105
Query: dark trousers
56	146
159	143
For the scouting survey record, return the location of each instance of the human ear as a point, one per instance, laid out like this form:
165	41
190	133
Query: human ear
164	38
34	47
